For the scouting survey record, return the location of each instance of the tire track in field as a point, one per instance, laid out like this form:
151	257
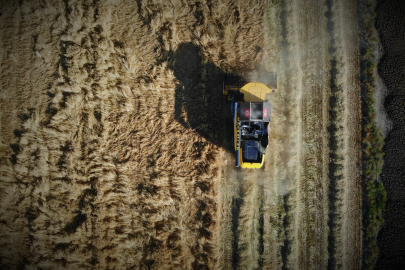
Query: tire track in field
286	247
237	202
249	231
335	164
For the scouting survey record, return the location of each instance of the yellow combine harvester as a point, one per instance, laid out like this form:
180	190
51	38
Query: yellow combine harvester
251	117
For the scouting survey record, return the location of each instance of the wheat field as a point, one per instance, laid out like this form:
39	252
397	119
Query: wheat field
115	136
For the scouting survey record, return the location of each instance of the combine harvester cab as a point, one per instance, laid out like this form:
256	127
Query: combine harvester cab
251	119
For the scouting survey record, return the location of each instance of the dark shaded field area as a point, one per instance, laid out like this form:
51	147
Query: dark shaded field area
390	24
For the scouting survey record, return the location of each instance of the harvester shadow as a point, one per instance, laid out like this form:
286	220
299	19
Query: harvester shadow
199	102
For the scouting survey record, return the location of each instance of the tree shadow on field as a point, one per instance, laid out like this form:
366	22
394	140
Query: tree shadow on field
199	102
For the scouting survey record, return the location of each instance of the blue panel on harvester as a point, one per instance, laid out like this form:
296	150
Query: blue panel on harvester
252	150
